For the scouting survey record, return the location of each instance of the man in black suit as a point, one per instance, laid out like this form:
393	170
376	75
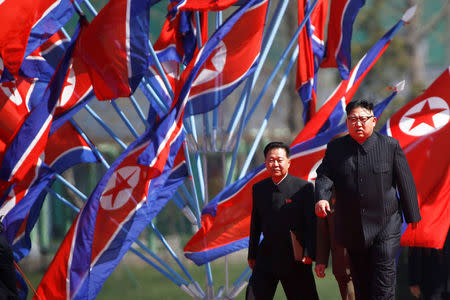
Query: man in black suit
367	169
281	203
8	290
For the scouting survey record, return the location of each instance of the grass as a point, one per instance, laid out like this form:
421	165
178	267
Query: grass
131	281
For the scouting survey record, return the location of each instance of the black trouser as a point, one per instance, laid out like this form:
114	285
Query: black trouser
298	284
7	273
373	269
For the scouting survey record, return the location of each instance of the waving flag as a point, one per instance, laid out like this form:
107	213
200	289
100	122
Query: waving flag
114	48
177	41
22	205
232	60
340	26
42	62
310	54
14	106
27	24
318	21
347	88
423	130
112	218
226	219
171	123
23	152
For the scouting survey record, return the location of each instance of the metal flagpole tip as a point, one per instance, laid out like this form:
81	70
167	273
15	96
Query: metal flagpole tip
400	86
409	13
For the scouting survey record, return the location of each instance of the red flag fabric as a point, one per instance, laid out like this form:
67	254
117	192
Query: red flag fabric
423	130
26	24
305	65
339	35
115	48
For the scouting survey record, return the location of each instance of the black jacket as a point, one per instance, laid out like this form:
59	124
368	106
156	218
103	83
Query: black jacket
277	209
366	178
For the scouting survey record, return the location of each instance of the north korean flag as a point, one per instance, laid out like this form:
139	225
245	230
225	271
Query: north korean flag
61	153
112	218
343	94
114	48
423	130
23	152
231	61
311	50
27	24
177	41
42	62
340	27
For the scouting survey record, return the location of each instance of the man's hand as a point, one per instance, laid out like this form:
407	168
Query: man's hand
251	263
306	260
415	290
320	270
322	208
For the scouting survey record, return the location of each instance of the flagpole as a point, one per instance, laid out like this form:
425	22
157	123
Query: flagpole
174	256
266	45
269	112
185	209
124	118
280	61
62	199
216	109
103	124
244	100
88	141
71	187
190	198
139	111
240	283
238	138
269	80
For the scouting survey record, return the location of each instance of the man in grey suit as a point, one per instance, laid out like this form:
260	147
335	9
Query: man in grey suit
367	169
281	203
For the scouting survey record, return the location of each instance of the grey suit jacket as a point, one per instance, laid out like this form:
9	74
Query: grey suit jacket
366	178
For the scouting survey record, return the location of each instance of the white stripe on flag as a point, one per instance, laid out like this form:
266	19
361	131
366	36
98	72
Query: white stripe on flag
32	145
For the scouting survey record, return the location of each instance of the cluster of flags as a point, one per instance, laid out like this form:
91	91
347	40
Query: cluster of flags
47	76
226	219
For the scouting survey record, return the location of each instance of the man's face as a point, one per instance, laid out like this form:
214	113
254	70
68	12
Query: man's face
360	124
277	163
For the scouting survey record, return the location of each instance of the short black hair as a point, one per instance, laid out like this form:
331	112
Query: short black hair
275	145
358	103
